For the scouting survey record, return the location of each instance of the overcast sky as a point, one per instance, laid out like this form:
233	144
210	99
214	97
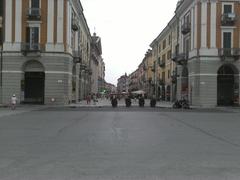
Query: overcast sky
126	28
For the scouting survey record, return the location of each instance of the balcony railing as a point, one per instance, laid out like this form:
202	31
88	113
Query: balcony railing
153	69
34	14
228	19
83	66
162	64
186	28
161	81
77	56
31	47
75	26
180	59
229	53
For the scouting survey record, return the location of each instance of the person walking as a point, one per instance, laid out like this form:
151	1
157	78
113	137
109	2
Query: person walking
13	102
114	101
88	99
141	101
128	101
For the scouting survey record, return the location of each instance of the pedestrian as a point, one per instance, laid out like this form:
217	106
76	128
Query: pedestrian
88	99
141	101
128	101
13	102
94	99
114	101
153	101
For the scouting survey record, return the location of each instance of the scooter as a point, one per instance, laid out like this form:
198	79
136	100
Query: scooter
183	103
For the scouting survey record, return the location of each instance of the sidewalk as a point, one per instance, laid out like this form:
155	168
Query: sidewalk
7	111
121	103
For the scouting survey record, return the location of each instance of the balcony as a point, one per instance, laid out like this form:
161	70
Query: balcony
161	82
180	59
162	64
1	21
34	14
77	57
31	47
186	28
229	53
228	19
153	69
83	66
75	26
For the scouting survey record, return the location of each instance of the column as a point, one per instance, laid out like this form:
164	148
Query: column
18	24
60	20
8	26
204	24
213	24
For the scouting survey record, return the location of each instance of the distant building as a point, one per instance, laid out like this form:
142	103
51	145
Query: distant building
122	84
110	88
204	42
96	59
101	76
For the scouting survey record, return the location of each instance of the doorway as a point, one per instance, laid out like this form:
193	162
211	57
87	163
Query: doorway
227	86
34	87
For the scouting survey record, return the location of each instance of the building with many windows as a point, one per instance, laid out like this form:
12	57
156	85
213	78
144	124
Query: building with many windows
96	59
46	51
208	57
203	41
101	76
164	67
122	84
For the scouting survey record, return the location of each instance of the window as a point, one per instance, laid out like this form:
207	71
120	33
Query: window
163	76
169	39
1	7
169	54
187	45
32	37
164	44
168	74
227	8
163	57
227	40
35	4
159	48
1	37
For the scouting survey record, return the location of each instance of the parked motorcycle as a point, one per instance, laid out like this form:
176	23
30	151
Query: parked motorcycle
128	102
183	103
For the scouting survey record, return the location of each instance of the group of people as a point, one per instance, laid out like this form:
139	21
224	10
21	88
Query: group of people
91	97
128	102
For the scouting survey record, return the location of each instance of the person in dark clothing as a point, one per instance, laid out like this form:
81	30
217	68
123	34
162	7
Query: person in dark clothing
153	101
141	101
114	101
128	101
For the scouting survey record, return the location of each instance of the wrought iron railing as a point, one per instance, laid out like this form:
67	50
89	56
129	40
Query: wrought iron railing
186	28
31	47
180	58
34	13
229	52
228	19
